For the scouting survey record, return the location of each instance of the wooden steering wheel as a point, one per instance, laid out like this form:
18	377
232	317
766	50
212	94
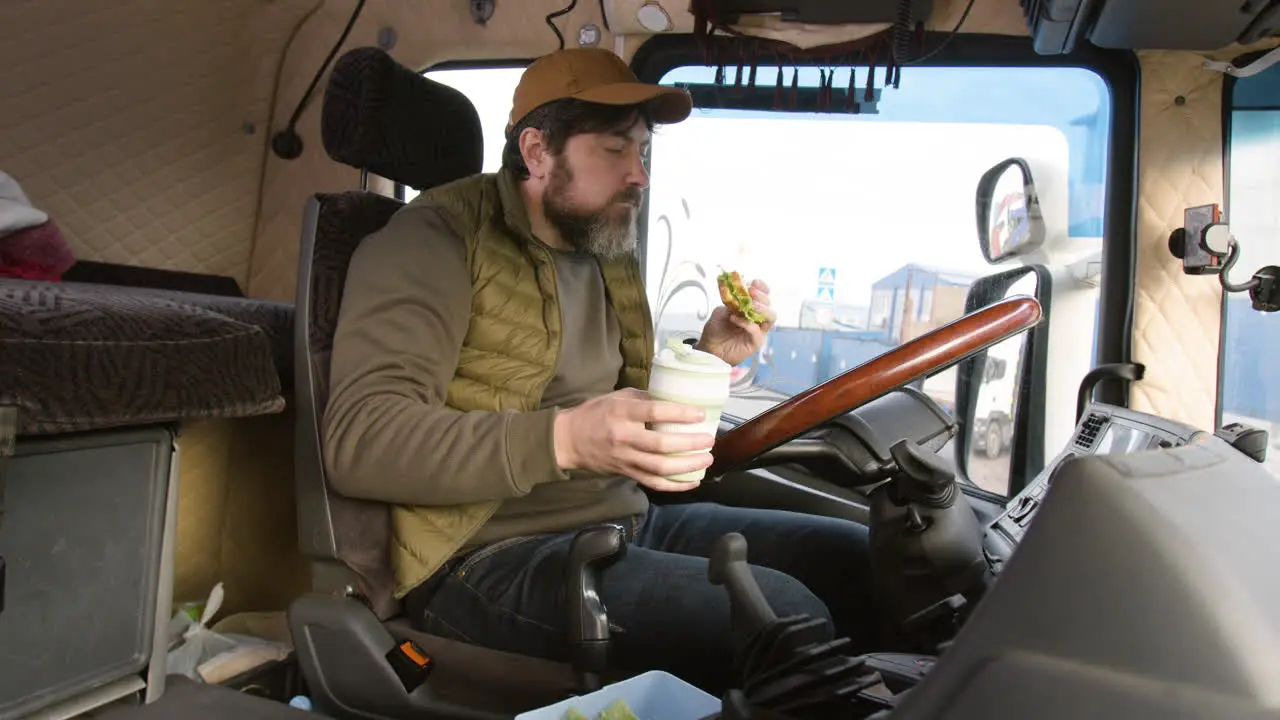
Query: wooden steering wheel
855	387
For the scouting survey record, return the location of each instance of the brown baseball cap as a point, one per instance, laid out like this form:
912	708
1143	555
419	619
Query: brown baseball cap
597	76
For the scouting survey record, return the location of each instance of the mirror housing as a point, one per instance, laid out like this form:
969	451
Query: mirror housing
1008	211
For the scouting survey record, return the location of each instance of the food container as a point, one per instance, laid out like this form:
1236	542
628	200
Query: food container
654	695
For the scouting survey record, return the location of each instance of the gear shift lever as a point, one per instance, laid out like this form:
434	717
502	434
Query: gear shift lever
749	612
591	551
788	665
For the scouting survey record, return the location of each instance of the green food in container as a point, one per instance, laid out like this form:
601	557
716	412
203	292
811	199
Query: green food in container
617	710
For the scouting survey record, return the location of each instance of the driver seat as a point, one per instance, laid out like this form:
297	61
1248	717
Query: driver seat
381	117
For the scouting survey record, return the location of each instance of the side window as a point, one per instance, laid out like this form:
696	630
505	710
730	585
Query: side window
863	224
490	90
1249	384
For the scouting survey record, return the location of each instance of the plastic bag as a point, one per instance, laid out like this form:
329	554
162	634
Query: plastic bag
204	655
191	642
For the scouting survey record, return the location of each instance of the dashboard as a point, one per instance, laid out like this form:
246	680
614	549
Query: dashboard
853	452
1154	574
1102	430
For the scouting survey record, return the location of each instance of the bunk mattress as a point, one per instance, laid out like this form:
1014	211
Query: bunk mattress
79	356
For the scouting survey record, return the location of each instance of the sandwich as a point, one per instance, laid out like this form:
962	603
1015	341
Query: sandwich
736	297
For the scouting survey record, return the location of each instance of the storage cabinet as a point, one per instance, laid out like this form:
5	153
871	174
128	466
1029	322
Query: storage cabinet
88	540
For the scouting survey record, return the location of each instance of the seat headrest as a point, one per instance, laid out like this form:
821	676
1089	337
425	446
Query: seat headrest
385	118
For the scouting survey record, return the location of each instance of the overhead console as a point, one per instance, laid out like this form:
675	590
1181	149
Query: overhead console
1057	26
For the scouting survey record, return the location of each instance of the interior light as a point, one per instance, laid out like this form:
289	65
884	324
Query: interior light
653	17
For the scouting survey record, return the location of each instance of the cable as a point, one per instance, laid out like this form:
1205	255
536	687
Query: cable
605	17
902	27
287	144
950	36
563	11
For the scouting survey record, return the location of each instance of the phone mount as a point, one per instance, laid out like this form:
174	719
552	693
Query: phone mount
1206	246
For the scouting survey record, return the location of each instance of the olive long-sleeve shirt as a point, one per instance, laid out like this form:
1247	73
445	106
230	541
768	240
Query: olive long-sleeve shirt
389	435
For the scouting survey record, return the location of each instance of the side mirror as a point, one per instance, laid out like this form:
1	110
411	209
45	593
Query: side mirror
1008	211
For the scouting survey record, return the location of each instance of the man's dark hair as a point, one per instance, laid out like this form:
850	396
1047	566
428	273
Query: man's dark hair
560	120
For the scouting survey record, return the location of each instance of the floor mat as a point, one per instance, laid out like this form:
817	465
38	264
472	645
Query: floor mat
185	699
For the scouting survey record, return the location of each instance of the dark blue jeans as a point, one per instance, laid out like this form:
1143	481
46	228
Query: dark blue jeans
666	614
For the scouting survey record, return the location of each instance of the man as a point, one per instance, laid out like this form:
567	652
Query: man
487	376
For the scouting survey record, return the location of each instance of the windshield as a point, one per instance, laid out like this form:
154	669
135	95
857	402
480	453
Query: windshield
863	225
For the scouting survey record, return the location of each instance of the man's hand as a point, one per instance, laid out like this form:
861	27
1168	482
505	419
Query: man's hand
733	338
607	434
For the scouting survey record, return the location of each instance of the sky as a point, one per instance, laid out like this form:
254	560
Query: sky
862	199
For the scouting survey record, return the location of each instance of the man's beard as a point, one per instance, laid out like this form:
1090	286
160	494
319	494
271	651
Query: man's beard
607	233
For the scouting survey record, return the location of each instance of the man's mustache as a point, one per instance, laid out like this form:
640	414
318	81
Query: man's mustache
630	195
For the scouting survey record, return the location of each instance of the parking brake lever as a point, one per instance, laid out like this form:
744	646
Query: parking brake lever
592	550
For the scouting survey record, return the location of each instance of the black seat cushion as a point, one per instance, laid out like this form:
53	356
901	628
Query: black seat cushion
77	357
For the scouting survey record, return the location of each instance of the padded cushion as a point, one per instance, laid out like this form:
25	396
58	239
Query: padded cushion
274	319
343	220
385	118
77	357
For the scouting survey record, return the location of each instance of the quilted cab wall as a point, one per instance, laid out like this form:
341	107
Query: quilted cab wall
139	125
1178	318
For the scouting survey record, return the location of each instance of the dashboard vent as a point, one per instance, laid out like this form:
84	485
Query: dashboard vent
1089	430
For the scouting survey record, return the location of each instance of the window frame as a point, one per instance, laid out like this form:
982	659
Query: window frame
1228	117
1113	332
1026	458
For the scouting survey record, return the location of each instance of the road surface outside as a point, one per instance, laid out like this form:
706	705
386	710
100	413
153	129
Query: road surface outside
990	475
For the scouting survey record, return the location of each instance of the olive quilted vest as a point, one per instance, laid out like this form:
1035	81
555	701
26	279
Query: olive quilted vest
511	348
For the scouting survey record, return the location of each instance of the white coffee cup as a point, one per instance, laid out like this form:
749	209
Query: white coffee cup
687	376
